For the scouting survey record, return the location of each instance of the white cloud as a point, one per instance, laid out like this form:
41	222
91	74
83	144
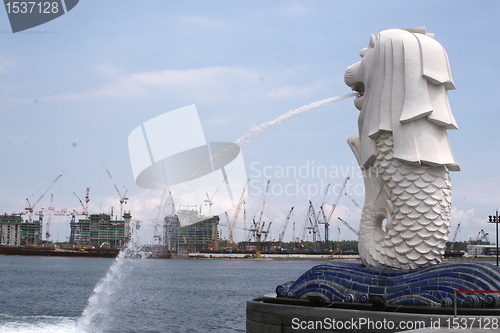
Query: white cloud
465	218
296	91
108	70
209	84
295	10
470	225
145	205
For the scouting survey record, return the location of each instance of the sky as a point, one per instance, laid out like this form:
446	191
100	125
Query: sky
73	89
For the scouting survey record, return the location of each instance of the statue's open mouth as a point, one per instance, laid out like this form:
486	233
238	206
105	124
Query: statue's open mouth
359	87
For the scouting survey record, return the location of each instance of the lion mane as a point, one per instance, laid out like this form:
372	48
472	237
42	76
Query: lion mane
403	80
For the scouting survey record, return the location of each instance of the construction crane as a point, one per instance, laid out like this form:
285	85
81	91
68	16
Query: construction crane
326	221
260	232
263	203
156	234
209	201
170	203
257	226
123	198
306	222
453	239
323	201
232	223
327	225
482	236
244	216
349	226
85	206
308	225
354	201
314	223
31	207
320	213
51	208
283	228
342	188
252	231
230	229
266	232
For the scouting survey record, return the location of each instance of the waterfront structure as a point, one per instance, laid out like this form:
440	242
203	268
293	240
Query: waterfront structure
259	246
16	232
183	236
481	250
10	230
31	232
99	230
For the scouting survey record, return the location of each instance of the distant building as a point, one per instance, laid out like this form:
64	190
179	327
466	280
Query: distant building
99	230
260	246
31	232
184	235
10	230
481	250
16	232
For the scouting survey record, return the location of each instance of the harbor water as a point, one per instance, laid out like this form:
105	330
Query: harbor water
50	294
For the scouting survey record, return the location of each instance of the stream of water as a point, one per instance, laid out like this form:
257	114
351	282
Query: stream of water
257	131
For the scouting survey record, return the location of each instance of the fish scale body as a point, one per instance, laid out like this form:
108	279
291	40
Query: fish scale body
417	213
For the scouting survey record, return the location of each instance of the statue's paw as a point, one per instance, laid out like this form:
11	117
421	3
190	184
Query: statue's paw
355	143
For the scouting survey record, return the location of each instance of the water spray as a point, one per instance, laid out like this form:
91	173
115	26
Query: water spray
256	131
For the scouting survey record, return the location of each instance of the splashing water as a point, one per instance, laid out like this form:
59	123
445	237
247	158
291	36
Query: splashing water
38	324
256	131
95	316
98	305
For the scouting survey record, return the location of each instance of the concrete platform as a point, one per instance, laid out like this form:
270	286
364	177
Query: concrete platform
268	315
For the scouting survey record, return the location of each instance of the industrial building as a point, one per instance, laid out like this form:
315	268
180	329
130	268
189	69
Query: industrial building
185	233
16	232
99	230
481	250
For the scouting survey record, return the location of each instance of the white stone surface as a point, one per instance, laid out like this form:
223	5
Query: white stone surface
403	148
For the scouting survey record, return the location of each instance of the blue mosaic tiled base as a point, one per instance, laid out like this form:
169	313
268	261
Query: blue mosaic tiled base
429	286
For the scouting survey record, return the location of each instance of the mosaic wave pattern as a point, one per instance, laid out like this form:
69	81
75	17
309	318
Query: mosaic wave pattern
430	286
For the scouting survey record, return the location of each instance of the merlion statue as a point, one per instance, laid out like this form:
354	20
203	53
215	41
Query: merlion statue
403	148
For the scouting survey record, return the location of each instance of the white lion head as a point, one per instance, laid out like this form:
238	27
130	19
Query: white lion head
403	78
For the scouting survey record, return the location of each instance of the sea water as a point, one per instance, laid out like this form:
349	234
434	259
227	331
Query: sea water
49	294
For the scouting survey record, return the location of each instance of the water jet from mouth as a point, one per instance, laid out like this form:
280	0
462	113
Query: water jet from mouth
257	131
